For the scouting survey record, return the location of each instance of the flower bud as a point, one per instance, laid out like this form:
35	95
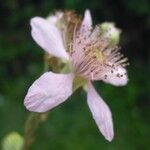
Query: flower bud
12	141
110	31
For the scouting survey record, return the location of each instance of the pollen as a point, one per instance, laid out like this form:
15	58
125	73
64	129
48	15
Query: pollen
99	55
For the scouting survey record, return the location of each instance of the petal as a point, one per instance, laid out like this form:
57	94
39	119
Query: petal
83	33
48	37
48	91
117	77
101	113
87	20
86	25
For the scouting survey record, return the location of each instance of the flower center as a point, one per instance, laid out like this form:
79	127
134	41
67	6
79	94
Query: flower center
78	82
99	55
92	56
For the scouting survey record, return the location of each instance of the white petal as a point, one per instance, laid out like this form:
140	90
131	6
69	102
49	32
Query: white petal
48	37
101	113
117	77
86	25
84	32
48	91
87	20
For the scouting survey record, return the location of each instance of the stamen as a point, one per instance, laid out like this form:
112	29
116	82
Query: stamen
93	56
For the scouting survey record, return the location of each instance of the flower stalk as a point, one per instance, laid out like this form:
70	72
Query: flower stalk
32	123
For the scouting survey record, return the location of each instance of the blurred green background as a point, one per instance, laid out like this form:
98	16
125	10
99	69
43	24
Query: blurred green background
70	126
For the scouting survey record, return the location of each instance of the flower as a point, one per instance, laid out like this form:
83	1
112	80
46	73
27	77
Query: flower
91	58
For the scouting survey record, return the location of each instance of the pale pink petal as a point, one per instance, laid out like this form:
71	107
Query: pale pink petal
48	37
87	20
117	76
100	112
86	25
81	39
48	91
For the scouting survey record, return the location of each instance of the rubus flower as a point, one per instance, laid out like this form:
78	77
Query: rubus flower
90	57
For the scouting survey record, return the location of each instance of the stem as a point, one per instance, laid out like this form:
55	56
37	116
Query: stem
32	123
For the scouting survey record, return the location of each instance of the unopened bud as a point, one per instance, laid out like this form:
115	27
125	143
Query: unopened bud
110	31
12	141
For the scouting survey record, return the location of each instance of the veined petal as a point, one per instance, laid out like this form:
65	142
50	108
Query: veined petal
100	112
48	91
117	77
48	37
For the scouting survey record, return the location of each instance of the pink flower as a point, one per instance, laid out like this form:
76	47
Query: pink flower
90	57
